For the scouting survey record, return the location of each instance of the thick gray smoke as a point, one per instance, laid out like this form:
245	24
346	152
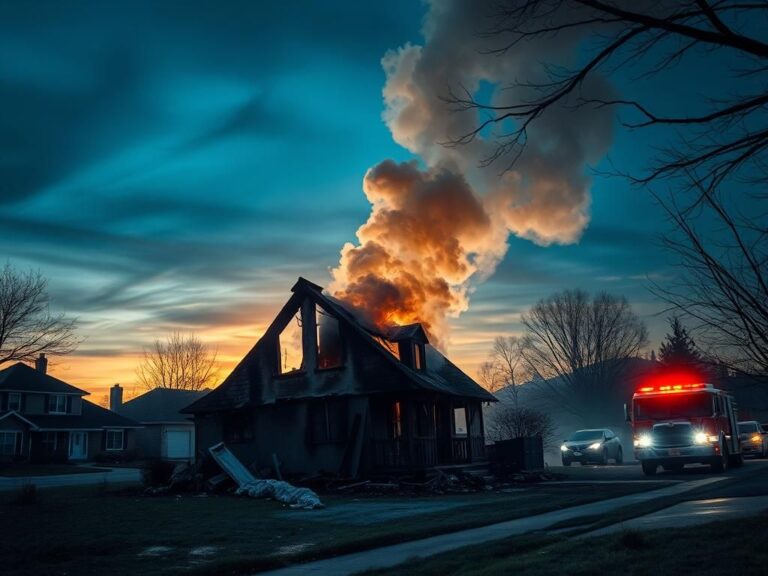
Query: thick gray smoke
544	197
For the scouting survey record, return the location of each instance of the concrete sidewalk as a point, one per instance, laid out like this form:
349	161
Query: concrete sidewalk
389	556
111	476
690	513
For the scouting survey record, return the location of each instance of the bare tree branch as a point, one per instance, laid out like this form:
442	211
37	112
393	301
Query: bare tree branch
727	138
27	327
181	363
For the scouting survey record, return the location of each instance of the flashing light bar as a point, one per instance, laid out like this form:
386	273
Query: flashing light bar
672	388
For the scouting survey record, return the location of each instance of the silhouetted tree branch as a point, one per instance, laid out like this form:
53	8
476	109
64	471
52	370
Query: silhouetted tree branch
650	37
181	362
27	327
723	281
506	367
578	346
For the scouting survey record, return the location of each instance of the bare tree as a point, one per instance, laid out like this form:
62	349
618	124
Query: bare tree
722	287
506	367
643	39
578	347
507	422
27	327
181	362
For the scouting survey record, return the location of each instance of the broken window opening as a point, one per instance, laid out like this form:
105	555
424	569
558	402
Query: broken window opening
460	421
418	356
290	347
329	354
426	420
396	420
389	346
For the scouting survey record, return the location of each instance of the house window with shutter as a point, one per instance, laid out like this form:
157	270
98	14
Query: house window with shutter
115	439
57	404
50	441
10	443
14	402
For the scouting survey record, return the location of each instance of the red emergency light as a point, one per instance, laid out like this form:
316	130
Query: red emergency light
671	388
672	380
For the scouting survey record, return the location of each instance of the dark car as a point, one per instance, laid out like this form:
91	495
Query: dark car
592	446
754	440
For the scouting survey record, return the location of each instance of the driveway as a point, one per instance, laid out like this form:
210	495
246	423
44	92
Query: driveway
111	476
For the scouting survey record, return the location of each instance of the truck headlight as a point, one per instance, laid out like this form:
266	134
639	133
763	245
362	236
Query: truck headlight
644	441
564	448
755	438
596	446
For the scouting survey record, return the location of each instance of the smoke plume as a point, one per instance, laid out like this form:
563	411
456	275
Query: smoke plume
440	225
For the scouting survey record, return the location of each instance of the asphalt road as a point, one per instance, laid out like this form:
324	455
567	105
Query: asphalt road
749	480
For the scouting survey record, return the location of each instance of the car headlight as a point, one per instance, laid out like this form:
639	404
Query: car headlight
564	448
596	446
755	438
700	438
644	441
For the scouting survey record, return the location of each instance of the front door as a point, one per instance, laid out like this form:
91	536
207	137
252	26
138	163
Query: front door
78	445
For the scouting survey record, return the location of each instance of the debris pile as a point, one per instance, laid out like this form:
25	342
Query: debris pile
442	482
282	492
257	488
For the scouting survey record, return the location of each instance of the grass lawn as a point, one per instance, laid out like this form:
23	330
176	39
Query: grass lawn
717	549
90	530
17	470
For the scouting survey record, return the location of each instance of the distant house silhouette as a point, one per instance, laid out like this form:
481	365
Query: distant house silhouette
44	419
324	390
166	432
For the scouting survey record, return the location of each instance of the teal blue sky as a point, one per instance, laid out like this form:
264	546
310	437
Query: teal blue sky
176	165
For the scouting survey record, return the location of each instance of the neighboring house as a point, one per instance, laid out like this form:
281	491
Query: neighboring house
43	419
324	391
167	433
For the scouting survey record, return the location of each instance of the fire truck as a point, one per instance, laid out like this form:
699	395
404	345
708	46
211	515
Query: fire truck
676	423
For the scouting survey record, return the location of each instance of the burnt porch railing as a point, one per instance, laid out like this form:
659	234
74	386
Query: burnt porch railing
426	452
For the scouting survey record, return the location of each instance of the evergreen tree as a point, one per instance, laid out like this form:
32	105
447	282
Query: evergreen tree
678	347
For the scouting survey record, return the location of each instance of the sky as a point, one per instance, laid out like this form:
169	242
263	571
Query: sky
176	166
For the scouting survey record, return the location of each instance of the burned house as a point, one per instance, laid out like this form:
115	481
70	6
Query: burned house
324	391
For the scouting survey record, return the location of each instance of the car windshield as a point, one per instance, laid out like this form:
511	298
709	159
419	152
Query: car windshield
673	406
586	435
747	427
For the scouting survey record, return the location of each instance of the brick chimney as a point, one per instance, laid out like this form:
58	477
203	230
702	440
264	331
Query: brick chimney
41	363
116	398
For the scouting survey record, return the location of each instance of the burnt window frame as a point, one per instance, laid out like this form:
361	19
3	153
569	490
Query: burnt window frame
320	311
467	423
419	357
279	372
426	413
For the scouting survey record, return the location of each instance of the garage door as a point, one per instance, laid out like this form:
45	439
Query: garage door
179	444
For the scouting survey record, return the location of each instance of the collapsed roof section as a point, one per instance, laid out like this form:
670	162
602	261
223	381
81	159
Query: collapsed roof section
371	361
